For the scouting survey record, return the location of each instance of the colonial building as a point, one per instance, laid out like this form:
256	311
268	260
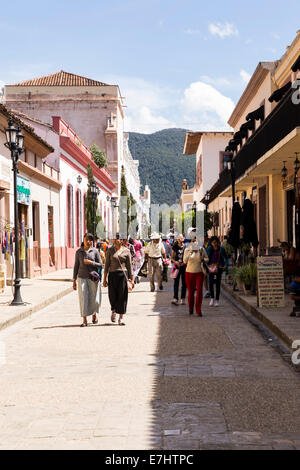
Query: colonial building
71	157
93	109
209	150
38	197
266	122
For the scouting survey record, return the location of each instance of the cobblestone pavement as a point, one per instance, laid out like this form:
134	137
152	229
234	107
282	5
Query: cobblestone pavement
167	380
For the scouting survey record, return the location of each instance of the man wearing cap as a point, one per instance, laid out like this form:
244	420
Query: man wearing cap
154	252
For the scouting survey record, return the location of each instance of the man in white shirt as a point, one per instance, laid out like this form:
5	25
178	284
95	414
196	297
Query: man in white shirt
154	252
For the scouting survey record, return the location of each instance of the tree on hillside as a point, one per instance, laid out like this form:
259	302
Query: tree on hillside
99	156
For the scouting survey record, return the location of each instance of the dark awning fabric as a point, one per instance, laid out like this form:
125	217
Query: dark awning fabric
232	145
296	65
257	114
248	126
278	94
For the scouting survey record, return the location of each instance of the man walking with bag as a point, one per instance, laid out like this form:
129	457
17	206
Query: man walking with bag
154	252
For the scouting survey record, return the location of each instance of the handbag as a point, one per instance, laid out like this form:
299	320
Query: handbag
213	268
144	270
129	283
94	276
174	272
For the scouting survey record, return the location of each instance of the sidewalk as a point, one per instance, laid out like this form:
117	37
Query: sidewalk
277	320
37	293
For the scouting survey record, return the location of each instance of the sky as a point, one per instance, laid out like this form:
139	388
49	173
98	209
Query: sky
179	63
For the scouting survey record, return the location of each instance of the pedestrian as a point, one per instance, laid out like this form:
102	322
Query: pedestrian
87	264
138	259
117	276
217	263
180	267
194	257
154	252
295	293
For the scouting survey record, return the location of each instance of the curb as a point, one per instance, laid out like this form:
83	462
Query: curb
260	316
26	313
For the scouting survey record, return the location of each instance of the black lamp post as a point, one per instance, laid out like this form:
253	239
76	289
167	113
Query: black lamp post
114	205
296	169
15	143
95	192
206	202
194	209
228	158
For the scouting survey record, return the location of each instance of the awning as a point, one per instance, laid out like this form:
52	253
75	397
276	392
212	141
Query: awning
278	94
296	65
249	125
257	114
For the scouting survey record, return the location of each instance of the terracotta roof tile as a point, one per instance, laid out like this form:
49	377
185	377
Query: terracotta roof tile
61	79
7	113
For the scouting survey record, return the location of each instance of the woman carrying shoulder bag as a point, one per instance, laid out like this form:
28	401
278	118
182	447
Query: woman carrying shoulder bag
87	264
120	278
217	263
194	256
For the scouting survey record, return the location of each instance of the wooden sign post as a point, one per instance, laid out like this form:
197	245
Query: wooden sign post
270	292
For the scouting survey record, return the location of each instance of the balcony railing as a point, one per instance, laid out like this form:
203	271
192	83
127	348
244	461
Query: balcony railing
277	125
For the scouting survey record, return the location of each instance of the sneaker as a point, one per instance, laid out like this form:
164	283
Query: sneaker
216	303
182	302
211	303
175	302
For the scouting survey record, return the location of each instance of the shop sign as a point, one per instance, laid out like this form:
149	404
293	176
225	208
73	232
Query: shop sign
270	290
23	190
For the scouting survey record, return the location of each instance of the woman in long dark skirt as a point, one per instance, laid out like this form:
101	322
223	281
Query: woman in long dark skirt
116	272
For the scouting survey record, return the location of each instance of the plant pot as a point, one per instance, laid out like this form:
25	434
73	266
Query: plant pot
247	289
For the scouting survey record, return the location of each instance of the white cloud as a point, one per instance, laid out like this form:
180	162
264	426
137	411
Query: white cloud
245	76
152	107
144	121
205	107
223	30
217	81
192	32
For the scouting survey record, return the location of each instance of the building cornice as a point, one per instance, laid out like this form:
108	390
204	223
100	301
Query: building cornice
259	75
31	171
100	173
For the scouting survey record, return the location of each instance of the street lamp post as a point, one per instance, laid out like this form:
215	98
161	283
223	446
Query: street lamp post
15	143
113	205
228	158
194	209
206	202
296	169
95	192
284	173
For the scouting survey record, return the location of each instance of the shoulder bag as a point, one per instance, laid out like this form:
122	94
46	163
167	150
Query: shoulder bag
129	283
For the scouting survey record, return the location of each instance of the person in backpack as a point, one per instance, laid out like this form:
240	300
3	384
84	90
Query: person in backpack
217	263
177	260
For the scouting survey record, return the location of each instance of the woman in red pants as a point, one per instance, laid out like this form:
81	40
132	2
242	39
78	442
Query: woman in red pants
194	257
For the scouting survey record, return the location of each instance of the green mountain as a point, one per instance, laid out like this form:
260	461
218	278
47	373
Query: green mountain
162	165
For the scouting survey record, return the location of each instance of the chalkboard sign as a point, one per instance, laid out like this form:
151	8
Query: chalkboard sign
270	292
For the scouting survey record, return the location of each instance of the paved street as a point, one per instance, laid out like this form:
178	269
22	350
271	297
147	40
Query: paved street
164	381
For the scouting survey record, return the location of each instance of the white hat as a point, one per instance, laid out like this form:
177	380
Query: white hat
155	236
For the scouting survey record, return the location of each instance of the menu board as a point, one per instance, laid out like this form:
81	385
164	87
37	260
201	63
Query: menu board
270	292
